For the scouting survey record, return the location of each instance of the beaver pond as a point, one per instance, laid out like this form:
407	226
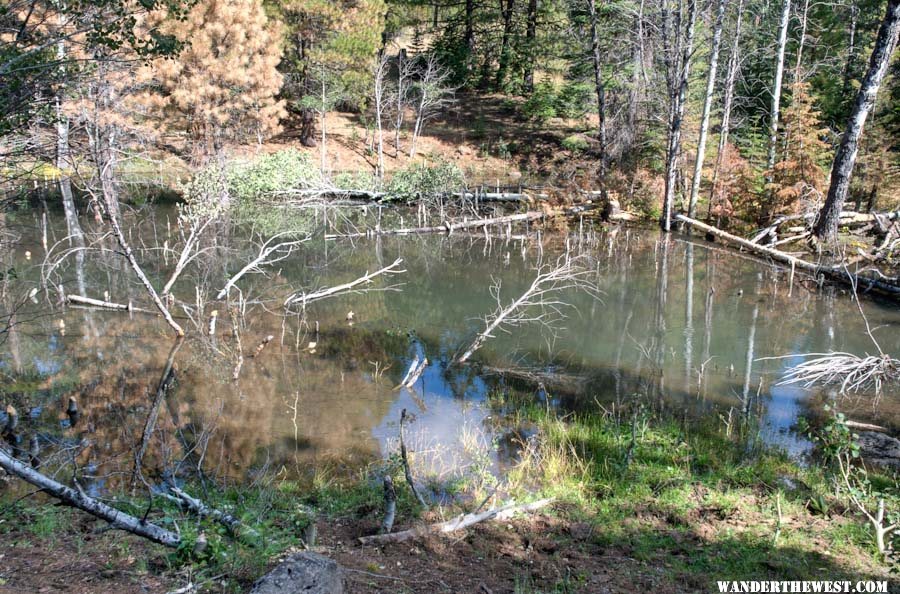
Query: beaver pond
680	325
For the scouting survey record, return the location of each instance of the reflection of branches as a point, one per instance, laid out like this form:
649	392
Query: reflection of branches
281	250
165	382
538	304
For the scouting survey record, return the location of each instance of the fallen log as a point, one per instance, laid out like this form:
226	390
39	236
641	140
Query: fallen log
77	498
458	523
88	302
305	298
447	227
834	273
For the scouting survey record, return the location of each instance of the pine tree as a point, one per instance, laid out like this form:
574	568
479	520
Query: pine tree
223	84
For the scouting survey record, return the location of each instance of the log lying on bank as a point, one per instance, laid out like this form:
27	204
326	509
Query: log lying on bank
834	273
304	298
88	302
458	523
77	498
447	227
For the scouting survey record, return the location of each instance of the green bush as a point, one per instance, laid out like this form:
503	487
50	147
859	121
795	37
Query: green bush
573	100
422	180
541	106
575	143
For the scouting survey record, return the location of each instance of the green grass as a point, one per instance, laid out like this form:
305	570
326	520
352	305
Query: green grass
691	500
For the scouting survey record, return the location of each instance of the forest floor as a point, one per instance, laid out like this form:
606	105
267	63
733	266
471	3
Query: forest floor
485	135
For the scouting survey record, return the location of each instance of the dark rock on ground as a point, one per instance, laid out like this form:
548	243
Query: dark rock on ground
302	573
879	449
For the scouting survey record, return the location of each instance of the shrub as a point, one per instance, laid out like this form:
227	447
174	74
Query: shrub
421	180
575	143
573	100
541	106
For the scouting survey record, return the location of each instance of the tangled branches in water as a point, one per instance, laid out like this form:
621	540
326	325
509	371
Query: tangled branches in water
850	372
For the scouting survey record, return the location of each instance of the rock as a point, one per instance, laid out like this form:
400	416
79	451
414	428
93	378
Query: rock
302	573
879	449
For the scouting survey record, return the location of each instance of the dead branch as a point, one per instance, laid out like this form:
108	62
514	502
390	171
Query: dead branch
416	368
458	523
88	302
851	373
234	525
136	267
447	227
264	258
77	498
565	274
305	298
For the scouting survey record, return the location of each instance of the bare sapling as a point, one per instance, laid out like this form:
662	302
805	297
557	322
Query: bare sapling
540	303
431	95
856	492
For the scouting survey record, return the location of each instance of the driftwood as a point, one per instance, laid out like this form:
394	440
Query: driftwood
447	227
416	368
458	523
305	298
88	302
77	498
835	273
502	196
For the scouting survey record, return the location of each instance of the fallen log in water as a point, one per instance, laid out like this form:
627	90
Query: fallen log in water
88	302
447	227
77	498
458	523
305	298
835	273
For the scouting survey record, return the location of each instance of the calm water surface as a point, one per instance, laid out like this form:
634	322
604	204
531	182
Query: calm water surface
682	325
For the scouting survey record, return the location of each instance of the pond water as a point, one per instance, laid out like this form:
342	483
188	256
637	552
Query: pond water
681	325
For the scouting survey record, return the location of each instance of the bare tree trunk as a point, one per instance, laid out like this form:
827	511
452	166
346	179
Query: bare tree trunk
600	90
847	73
638	66
470	34
530	36
507	7
733	64
678	74
380	73
845	157
775	111
63	162
707	106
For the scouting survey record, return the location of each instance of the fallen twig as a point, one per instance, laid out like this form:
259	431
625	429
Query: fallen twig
458	523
